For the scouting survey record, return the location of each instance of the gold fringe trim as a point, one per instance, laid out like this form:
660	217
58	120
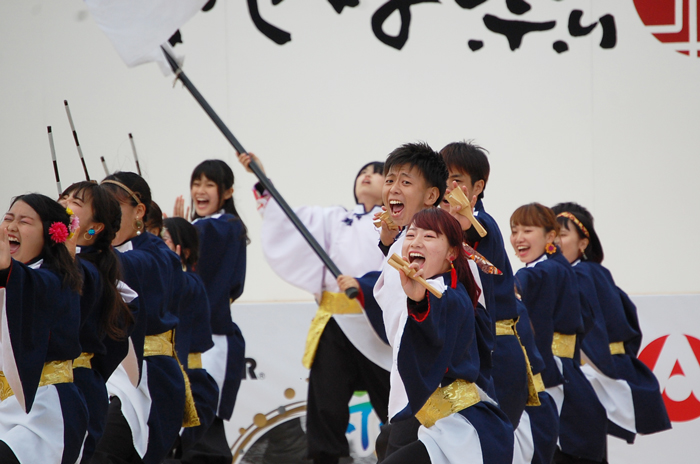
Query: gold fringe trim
162	345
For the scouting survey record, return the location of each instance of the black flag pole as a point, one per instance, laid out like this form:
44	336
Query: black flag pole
55	164
136	158
351	292
75	137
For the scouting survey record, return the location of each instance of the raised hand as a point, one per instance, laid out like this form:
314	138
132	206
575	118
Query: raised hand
412	288
345	282
5	256
246	158
179	209
386	234
463	220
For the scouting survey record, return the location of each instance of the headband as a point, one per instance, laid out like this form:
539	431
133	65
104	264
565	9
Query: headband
575	220
126	189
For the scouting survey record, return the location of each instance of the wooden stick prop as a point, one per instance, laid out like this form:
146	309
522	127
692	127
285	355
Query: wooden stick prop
75	137
351	292
386	217
484	264
55	164
457	198
104	165
398	263
136	158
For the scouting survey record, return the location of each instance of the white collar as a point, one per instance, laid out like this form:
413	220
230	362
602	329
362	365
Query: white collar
216	215
576	262
124	247
36	265
538	260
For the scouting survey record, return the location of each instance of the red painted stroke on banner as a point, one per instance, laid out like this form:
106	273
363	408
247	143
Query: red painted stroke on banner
663	13
678	411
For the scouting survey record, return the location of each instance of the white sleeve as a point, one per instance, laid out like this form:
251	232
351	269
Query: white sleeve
286	250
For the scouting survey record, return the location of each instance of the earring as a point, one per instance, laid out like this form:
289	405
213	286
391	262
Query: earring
138	225
90	234
583	255
453	276
550	248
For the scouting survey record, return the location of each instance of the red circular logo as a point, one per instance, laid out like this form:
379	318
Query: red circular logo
673	22
681	404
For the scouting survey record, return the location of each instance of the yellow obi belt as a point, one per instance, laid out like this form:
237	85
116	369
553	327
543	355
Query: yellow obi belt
159	345
84	360
194	361
53	372
617	348
534	382
506	327
331	303
563	345
448	400
162	345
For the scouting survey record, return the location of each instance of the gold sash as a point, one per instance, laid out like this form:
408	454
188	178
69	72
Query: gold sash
563	345
331	303
505	327
53	372
539	385
84	360
448	400
508	327
194	361
162	345
617	348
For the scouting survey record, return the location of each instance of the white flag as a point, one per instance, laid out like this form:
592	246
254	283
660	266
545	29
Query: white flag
138	28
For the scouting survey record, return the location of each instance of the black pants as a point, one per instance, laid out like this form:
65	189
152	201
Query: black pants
116	445
395	436
339	370
6	454
563	458
415	453
212	448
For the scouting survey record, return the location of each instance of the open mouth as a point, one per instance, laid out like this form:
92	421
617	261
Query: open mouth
14	244
415	257
396	207
522	250
201	203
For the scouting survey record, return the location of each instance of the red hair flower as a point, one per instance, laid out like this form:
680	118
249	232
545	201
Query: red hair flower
58	232
550	248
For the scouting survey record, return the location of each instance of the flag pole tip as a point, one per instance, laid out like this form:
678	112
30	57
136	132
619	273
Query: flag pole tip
131	136
49	128
65	102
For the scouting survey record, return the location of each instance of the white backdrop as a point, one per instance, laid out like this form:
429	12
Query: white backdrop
615	129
